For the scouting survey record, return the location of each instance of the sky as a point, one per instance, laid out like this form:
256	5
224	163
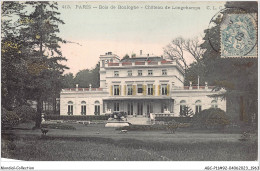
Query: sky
95	31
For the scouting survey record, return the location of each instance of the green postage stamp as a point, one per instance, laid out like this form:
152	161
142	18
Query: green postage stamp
239	35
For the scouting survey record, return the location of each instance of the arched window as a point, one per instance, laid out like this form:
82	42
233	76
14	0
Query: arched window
197	106
70	108
97	108
182	107
83	108
214	104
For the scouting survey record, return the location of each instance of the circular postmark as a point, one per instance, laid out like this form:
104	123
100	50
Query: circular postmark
233	33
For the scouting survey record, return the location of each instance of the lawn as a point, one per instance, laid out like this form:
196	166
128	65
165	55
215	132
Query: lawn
97	143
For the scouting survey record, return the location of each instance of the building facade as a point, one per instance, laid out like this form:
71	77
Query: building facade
139	86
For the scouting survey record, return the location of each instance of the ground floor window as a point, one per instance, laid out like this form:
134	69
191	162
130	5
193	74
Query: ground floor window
83	108
139	108
70	108
97	108
149	108
197	106
130	108
214	104
182	107
116	106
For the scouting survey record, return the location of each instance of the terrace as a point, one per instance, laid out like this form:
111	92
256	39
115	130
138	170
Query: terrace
141	63
82	89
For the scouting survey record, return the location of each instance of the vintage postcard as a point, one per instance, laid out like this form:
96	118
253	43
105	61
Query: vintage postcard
124	81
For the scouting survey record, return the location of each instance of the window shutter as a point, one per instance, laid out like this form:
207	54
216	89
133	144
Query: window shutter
144	89
159	89
168	89
111	90
124	90
119	90
134	89
153	90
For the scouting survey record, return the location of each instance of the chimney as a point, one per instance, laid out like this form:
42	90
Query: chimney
190	85
90	87
141	52
77	87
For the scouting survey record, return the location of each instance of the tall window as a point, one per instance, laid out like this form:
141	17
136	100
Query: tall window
164	89
130	108
83	108
150	89
140	72
70	108
116	90
149	108
116	73
139	88
164	72
150	72
129	90
116	107
182	107
214	104
129	73
97	108
197	106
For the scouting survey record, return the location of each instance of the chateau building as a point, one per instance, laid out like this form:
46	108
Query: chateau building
139	86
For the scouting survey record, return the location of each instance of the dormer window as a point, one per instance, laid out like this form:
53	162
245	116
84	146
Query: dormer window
140	72
116	73
164	72
150	72
129	73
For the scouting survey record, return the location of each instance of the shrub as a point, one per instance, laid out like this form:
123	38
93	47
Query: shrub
9	119
211	118
76	117
25	113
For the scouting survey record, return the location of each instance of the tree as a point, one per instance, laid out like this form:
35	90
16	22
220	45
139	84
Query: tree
187	112
68	81
126	57
86	77
12	61
179	48
43	52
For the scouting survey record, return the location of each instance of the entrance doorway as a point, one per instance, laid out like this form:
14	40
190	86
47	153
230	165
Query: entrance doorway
139	108
97	108
130	108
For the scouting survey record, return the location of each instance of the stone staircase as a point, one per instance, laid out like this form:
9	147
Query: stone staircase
139	120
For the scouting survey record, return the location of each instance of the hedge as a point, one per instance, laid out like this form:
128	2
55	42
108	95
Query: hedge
177	119
76	117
